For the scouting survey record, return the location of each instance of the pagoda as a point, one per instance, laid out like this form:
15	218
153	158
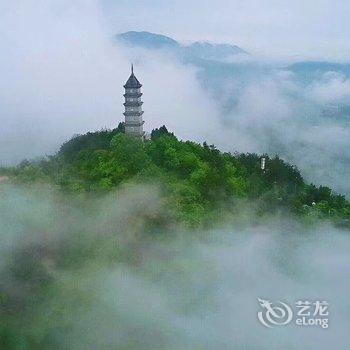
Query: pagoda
133	106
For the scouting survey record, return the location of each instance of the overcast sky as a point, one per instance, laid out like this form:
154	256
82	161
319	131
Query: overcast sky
297	29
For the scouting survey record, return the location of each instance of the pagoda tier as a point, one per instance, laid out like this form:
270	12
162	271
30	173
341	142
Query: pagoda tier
135	123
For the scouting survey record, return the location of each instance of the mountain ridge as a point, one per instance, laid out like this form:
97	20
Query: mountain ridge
197	49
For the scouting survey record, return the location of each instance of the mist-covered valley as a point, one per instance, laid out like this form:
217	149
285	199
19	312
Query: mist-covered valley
95	257
90	276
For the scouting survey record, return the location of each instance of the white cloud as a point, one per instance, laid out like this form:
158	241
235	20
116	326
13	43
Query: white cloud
59	74
332	88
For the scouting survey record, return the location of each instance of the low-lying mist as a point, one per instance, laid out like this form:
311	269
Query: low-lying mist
100	274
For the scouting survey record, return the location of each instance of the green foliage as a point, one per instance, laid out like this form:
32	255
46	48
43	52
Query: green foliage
160	132
197	180
89	142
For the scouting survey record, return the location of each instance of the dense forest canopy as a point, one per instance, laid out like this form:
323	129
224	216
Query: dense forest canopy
199	183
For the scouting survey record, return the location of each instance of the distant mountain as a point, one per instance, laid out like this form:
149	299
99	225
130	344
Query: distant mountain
147	40
200	53
308	71
320	66
210	51
194	51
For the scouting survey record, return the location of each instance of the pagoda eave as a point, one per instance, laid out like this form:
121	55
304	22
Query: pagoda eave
130	114
133	94
133	104
138	86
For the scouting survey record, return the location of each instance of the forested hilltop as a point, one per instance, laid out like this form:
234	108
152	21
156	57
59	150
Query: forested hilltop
199	184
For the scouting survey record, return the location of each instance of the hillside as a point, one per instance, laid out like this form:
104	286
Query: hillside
200	185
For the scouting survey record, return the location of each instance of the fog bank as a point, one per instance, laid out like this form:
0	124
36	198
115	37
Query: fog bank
94	276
